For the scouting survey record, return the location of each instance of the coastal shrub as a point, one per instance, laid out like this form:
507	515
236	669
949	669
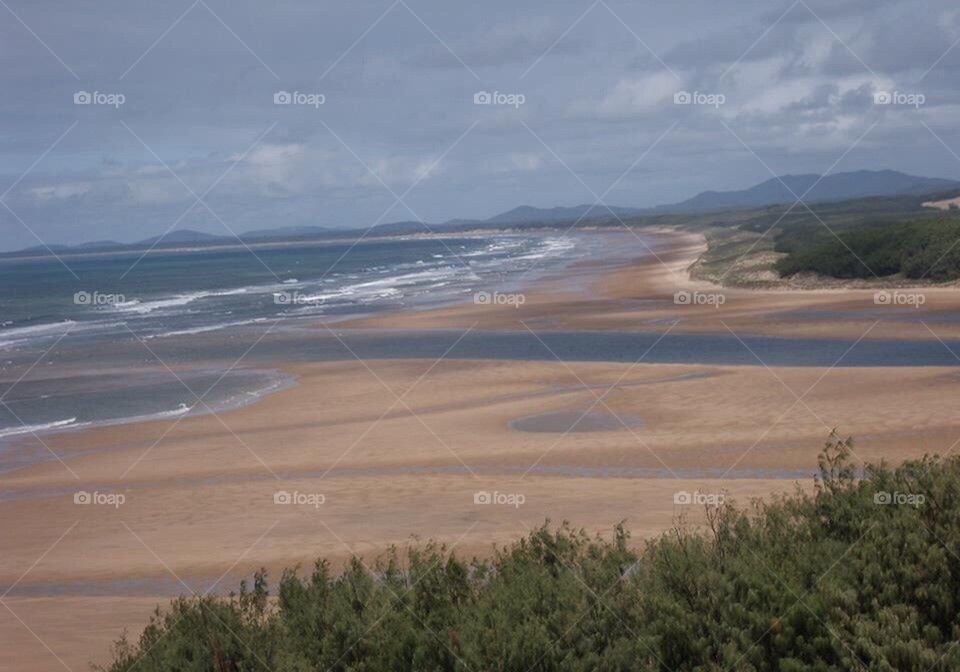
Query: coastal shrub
862	572
929	250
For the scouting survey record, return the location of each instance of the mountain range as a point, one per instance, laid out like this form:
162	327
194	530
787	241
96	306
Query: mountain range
811	188
814	189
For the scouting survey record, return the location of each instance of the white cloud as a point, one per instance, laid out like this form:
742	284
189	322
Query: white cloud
629	97
400	170
526	161
275	166
58	191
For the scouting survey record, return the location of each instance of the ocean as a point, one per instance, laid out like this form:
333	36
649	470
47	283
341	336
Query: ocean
80	345
193	291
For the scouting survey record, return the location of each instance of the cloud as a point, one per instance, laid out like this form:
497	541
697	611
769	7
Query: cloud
60	191
274	169
506	43
630	97
796	92
526	161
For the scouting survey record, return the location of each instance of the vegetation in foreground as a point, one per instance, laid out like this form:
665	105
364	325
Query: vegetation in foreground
924	250
863	573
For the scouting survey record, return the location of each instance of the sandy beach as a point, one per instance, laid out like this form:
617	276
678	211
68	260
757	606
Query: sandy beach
641	297
361	455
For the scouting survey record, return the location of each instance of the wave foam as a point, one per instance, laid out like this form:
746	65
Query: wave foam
33	429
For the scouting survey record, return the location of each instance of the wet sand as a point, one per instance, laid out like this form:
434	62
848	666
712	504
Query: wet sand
363	454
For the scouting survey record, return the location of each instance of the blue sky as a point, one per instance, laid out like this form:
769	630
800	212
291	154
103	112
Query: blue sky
184	130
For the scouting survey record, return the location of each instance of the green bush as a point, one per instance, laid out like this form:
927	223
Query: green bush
837	579
929	250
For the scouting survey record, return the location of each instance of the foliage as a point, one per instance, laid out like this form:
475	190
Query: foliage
835	579
917	250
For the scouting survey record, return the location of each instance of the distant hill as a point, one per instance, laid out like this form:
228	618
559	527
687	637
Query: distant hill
401	228
527	214
524	214
99	245
46	249
181	236
286	232
849	186
836	187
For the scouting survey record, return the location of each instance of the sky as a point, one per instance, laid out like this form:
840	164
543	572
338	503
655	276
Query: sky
123	120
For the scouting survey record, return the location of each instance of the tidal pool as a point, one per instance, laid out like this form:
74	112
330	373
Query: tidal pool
561	422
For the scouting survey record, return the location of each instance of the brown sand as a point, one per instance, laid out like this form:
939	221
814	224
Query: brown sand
640	297
200	494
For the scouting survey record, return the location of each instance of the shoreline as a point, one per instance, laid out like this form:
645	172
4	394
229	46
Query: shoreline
641	297
399	448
